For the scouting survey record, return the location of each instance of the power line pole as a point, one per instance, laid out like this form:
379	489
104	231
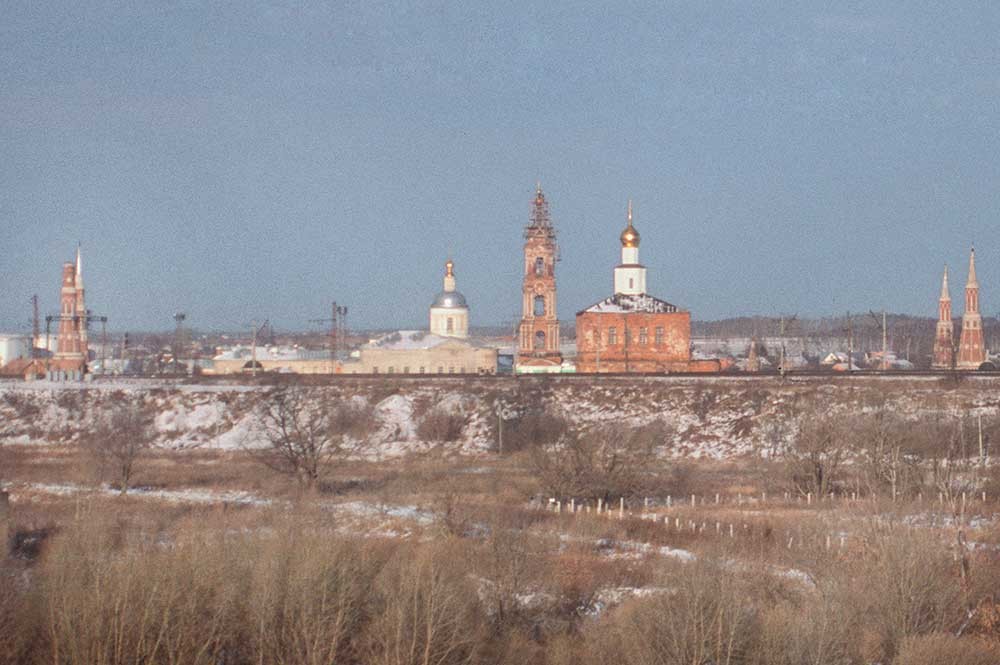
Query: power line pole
35	326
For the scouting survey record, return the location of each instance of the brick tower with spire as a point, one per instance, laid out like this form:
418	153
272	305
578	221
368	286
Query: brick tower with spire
538	332
70	360
971	350
944	339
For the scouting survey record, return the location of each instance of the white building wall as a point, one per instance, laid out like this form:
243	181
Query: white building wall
630	280
13	347
459	322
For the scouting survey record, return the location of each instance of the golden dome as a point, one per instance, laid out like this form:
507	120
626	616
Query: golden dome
630	237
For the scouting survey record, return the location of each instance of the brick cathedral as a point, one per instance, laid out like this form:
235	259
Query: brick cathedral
632	331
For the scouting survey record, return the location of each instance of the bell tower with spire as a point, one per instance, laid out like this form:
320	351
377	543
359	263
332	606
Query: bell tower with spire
538	333
630	275
971	350
944	338
71	352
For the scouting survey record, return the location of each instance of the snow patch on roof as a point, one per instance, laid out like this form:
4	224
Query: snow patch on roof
621	303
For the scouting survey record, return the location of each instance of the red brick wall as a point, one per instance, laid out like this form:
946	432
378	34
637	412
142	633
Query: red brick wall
601	353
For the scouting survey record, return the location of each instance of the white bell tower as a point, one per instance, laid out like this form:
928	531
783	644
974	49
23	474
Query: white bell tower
630	275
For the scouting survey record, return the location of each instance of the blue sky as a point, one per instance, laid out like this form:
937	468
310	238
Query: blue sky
246	160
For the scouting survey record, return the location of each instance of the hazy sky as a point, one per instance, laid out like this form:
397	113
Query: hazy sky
247	160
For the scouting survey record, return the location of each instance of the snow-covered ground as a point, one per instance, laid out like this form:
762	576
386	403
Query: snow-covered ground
717	418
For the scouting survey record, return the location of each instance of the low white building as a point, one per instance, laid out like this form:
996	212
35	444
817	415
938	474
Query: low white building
14	347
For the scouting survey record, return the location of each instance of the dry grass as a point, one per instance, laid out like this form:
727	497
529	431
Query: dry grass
492	578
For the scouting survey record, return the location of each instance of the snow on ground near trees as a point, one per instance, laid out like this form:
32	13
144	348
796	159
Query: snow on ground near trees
718	418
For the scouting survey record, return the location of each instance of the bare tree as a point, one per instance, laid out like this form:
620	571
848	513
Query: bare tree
119	438
817	452
887	452
606	463
305	432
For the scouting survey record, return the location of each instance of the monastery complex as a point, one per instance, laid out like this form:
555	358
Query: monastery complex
629	331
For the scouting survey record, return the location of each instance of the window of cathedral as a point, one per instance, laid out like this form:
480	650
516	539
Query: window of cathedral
406	370
374	370
450	325
540	340
392	370
539	267
440	369
612	336
451	369
539	306
422	370
643	336
658	335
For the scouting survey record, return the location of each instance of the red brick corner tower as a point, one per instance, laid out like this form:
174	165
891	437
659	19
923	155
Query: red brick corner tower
971	350
538	334
944	339
71	354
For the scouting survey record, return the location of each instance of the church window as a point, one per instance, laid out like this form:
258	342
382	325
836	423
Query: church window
406	370
423	370
440	369
375	370
540	340
643	336
631	283
612	335
539	266
462	369
539	305
392	370
451	369
450	325
659	335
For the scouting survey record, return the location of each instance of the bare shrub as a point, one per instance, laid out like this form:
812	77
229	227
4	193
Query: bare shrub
705	618
813	629
305	433
512	565
533	429
943	649
440	425
119	438
906	583
947	453
153	604
24	406
308	599
427	614
887	453
18	625
606	463
817	453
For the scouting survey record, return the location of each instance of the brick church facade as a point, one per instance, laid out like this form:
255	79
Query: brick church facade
632	331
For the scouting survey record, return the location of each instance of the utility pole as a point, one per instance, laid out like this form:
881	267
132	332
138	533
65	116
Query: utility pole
255	330
782	368
35	326
179	319
885	338
338	333
850	343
